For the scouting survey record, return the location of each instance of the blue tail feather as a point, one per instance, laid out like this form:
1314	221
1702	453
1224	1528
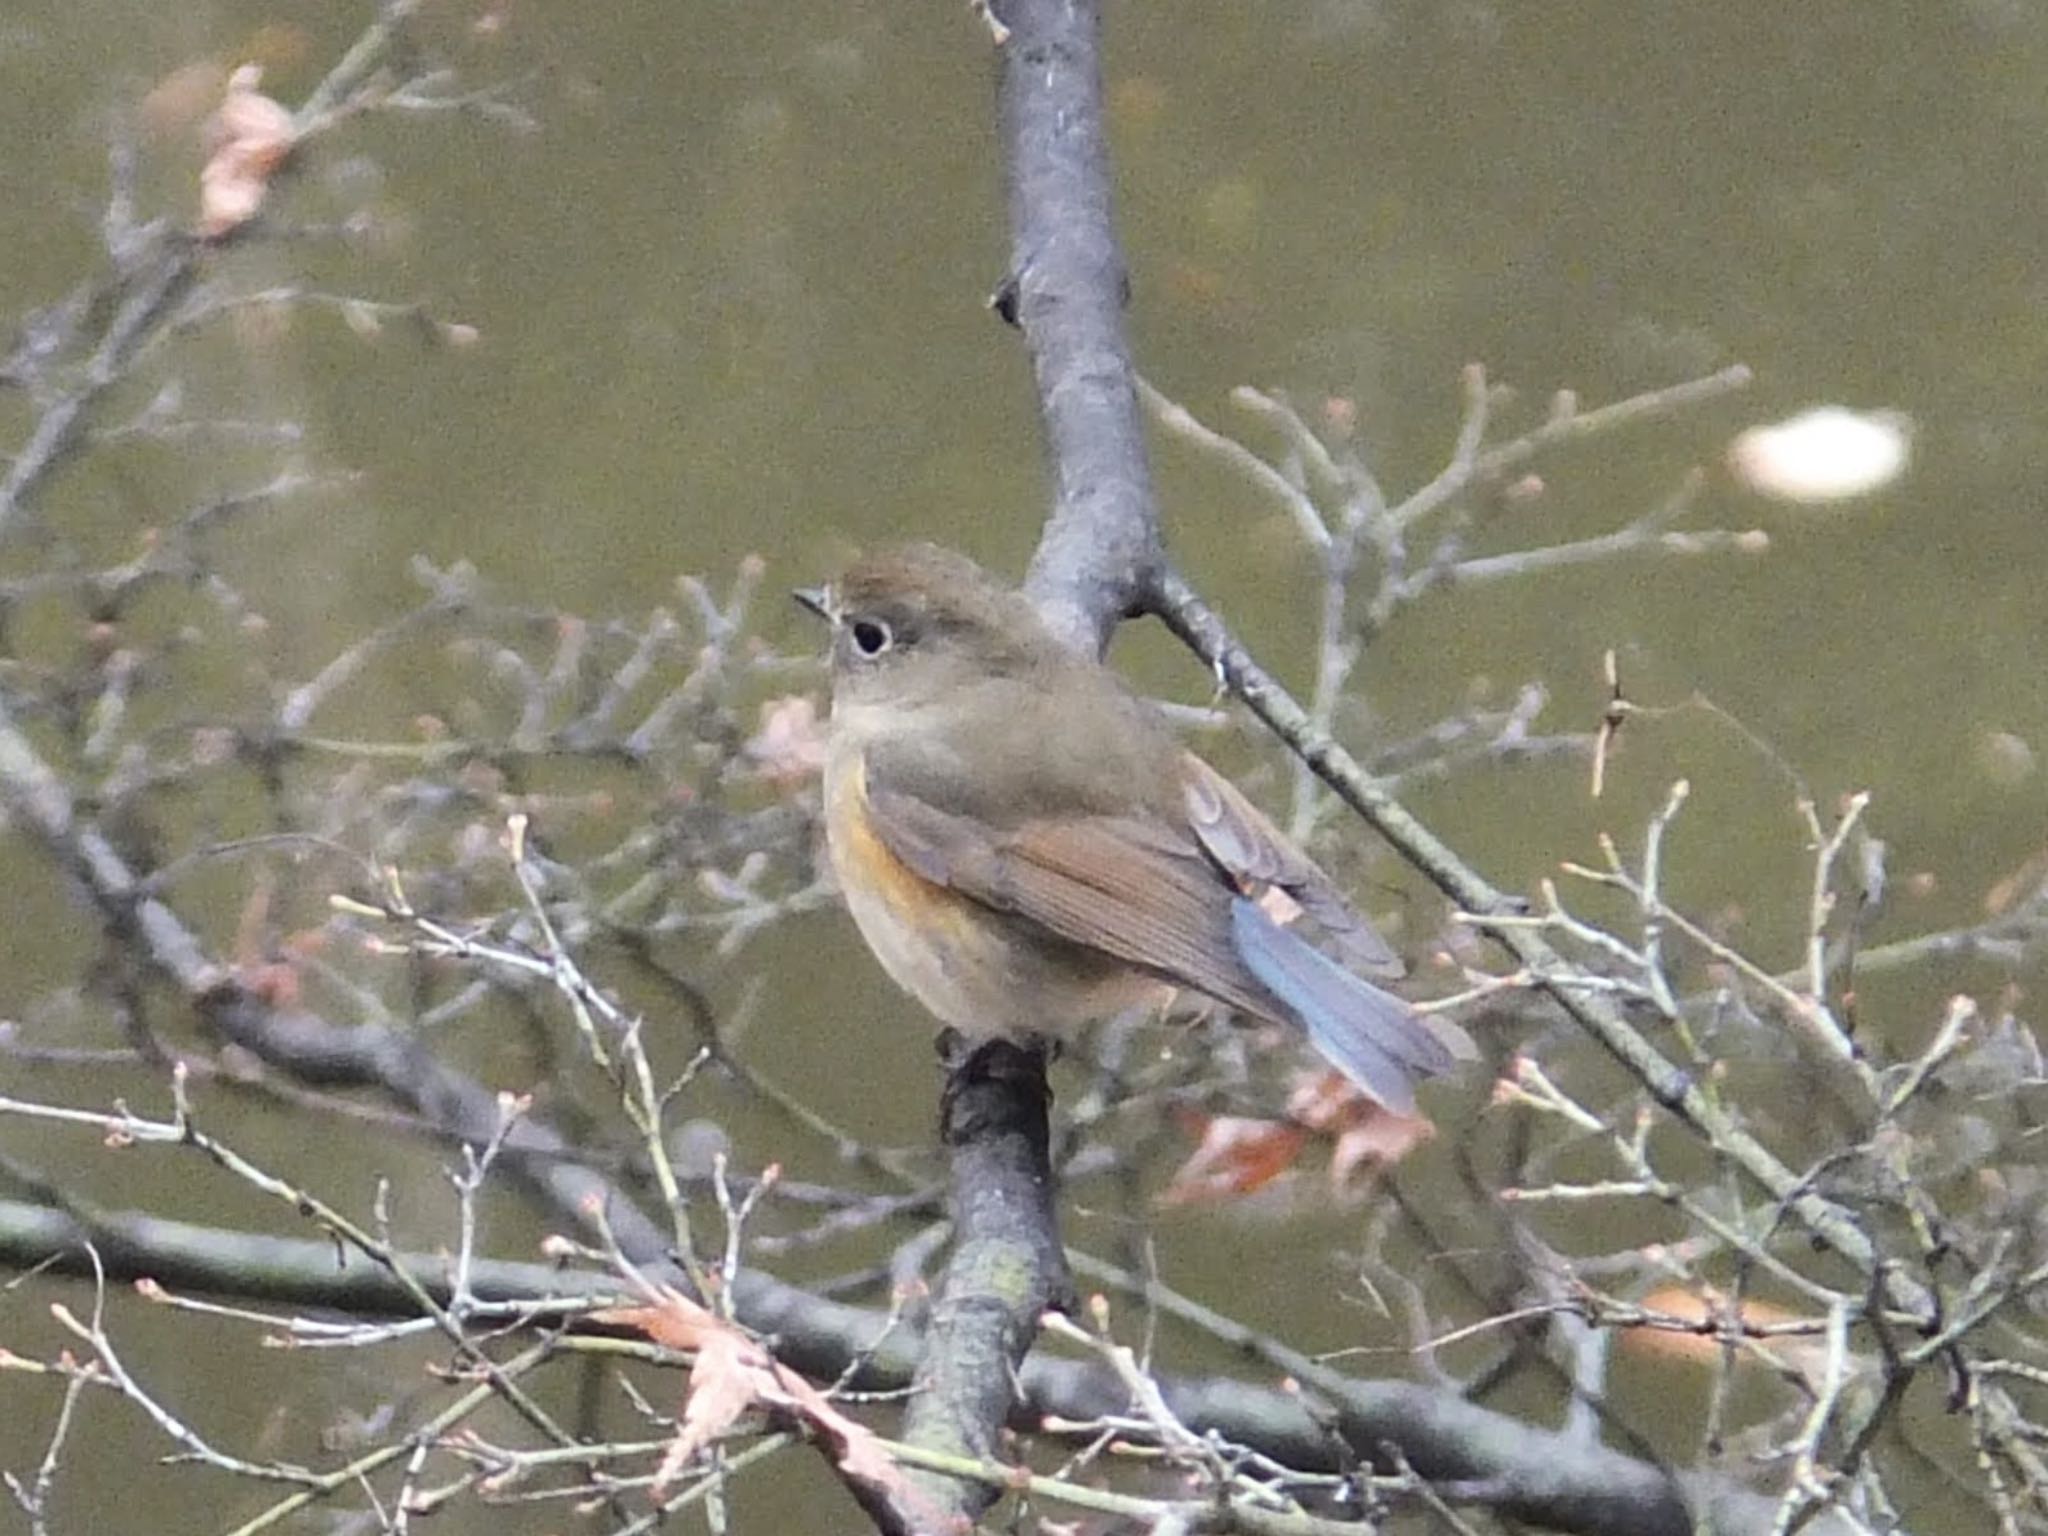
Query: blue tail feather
1370	1036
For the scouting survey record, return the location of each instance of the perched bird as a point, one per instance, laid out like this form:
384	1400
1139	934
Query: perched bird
1025	845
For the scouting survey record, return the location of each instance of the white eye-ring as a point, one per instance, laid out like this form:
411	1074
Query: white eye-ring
871	637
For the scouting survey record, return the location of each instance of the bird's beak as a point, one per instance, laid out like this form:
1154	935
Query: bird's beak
817	599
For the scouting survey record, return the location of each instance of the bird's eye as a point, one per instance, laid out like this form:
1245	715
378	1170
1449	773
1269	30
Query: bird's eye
871	637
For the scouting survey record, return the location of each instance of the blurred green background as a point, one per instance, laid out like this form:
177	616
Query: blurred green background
730	300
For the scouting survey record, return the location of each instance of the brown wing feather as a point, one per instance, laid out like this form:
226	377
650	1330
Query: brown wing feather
1122	885
1243	842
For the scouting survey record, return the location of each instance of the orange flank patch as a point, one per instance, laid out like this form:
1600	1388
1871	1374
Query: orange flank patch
882	877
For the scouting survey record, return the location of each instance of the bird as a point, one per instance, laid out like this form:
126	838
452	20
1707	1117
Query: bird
1026	846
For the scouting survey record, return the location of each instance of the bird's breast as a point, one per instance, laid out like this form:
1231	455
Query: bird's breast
925	936
983	971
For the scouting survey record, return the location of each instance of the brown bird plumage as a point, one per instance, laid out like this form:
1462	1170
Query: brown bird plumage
1026	846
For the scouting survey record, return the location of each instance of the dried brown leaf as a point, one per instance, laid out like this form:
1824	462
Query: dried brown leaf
251	123
789	746
1379	1138
230	195
1367	1135
249	137
1234	1156
734	1374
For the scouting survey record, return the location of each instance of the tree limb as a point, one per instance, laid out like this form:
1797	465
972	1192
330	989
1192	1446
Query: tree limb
1065	291
1552	1479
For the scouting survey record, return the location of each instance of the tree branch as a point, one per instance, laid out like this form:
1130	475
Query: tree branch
1066	290
1552	1479
1678	1090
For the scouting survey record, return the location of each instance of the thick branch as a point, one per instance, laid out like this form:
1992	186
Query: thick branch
1564	1482
1065	290
1006	1268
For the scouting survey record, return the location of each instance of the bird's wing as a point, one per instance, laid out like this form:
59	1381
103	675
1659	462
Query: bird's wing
1124	885
1253	852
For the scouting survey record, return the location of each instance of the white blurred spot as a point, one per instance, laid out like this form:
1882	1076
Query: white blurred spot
1829	453
2005	758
